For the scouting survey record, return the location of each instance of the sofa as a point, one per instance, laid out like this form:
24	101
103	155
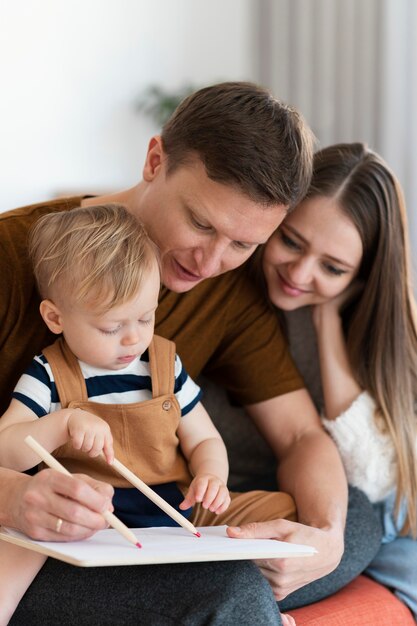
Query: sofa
363	602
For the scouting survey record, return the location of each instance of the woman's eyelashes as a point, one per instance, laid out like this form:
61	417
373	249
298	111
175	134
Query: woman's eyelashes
336	271
288	241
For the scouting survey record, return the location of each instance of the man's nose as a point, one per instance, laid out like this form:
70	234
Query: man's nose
210	258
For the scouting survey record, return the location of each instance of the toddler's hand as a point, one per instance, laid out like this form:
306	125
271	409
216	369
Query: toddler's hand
210	491
91	434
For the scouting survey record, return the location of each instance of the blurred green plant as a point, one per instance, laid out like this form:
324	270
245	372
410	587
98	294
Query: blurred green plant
159	103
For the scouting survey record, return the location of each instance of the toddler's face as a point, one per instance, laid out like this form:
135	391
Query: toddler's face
113	339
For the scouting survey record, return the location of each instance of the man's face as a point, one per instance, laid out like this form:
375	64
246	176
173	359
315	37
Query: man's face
203	228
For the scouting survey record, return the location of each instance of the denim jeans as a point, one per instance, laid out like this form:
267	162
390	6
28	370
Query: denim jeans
395	564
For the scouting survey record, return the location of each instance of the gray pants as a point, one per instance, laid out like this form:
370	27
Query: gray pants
227	593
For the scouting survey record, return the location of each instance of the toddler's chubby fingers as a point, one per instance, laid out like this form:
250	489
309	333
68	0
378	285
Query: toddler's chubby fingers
108	450
195	493
221	502
211	495
97	445
189	499
199	487
77	439
88	442
187	503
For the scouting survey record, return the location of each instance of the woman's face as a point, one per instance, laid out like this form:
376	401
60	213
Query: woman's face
313	256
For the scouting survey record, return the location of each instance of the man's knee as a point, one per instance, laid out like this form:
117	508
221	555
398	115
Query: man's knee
241	595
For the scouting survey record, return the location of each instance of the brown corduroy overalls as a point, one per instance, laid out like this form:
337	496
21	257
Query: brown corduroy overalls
144	433
145	439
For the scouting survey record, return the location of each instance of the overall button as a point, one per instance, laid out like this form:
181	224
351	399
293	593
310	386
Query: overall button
166	405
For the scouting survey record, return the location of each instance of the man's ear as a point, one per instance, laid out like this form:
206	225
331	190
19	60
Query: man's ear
154	159
51	316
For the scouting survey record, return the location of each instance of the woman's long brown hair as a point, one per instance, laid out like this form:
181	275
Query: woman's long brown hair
380	325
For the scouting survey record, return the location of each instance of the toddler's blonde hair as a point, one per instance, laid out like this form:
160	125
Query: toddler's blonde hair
95	255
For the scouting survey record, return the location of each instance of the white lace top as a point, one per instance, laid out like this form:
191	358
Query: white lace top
367	452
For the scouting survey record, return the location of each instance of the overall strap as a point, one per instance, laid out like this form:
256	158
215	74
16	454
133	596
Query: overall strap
69	381
162	366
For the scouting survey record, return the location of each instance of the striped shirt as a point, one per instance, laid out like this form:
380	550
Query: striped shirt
37	390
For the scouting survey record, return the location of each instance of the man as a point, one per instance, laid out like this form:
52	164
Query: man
216	184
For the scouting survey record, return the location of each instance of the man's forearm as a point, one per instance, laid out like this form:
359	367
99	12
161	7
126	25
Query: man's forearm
313	474
10	481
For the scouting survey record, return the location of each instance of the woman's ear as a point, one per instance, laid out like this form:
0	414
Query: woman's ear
51	315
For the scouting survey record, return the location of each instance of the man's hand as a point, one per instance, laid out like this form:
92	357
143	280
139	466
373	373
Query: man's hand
37	502
288	575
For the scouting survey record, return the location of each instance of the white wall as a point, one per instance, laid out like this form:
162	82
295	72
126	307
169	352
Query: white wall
71	71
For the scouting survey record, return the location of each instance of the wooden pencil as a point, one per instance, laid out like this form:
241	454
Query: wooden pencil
154	497
111	519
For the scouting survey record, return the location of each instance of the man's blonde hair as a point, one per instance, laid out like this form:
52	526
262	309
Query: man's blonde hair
95	255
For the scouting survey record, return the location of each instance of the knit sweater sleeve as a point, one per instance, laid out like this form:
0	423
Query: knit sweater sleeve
367	452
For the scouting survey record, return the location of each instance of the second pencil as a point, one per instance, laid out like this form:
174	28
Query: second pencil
154	497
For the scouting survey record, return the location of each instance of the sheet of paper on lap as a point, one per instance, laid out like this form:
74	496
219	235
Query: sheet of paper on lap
159	545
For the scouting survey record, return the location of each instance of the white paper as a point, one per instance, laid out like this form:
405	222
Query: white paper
159	545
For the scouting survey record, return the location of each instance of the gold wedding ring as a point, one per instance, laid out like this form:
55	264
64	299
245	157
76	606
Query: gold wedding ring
58	525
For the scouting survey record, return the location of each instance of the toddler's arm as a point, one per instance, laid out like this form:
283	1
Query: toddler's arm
86	432
206	453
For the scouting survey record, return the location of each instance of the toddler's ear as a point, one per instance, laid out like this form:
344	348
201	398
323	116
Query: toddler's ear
51	316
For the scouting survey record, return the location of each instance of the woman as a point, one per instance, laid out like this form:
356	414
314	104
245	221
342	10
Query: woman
343	254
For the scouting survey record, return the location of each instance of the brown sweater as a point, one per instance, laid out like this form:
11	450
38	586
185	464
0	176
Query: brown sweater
222	327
